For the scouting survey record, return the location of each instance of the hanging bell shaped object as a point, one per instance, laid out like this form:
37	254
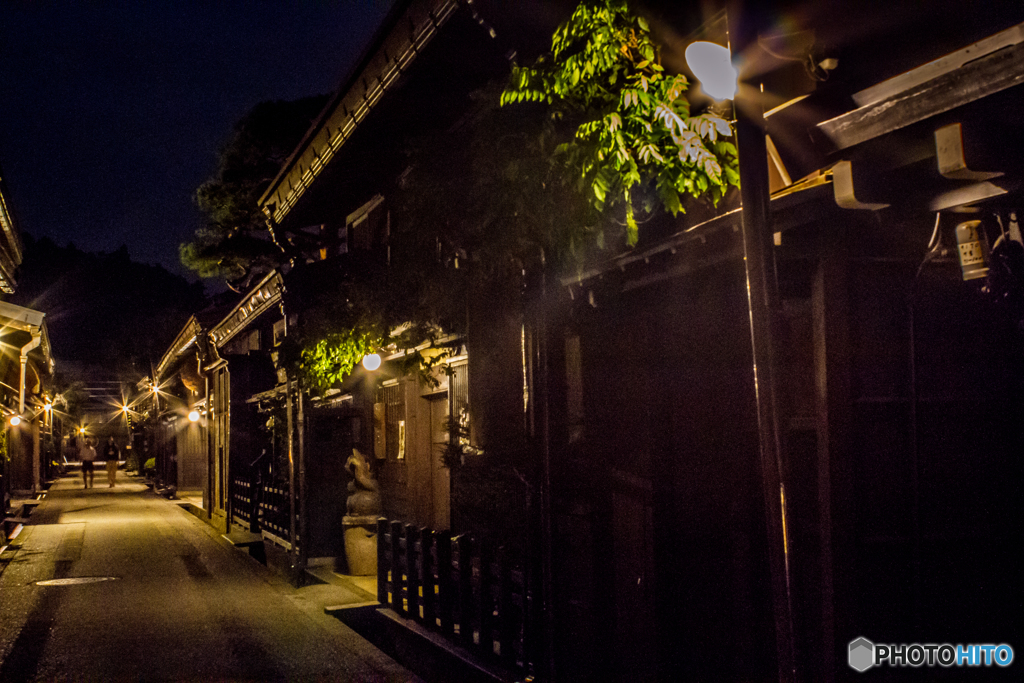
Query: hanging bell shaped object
973	256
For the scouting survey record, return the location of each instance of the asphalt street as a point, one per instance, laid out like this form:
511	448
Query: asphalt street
152	593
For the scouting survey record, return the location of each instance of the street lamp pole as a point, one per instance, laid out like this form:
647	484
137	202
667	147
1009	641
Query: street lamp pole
764	307
711	64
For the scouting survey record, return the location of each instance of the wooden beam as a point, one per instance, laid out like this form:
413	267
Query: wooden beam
986	76
939	67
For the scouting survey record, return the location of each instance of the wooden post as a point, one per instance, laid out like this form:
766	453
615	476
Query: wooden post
292	493
836	504
412	581
764	307
466	610
252	508
486	606
397	580
506	610
382	563
302	527
427	577
445	589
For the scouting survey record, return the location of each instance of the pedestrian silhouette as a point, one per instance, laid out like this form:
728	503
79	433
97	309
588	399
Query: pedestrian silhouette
88	456
111	453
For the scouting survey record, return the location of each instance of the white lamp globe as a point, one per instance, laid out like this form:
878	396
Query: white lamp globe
712	65
371	361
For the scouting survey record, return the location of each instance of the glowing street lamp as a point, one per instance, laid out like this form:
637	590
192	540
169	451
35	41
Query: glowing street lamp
712	64
15	420
193	416
371	361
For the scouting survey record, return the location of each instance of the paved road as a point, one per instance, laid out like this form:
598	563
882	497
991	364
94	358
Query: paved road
181	605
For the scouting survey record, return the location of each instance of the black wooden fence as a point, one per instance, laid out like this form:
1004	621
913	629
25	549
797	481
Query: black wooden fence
467	590
275	511
261	506
243	505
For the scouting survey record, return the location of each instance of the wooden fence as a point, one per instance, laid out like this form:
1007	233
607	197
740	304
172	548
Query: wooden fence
262	507
467	590
275	511
243	507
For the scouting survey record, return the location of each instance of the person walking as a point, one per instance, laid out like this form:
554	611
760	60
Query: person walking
111	453
88	456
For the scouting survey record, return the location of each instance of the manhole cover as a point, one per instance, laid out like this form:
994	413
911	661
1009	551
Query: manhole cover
75	580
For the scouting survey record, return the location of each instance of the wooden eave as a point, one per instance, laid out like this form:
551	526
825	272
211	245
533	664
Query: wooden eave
276	393
906	148
258	300
27	321
8	283
389	59
888	142
181	344
955	80
10	247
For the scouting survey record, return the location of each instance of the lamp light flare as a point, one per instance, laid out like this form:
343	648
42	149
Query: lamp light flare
371	361
124	409
193	416
712	64
15	420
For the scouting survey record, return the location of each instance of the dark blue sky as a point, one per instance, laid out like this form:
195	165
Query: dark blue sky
111	113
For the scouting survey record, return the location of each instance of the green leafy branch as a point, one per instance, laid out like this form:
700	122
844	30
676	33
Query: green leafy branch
334	356
635	126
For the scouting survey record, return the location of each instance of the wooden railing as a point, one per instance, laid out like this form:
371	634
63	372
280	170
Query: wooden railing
464	589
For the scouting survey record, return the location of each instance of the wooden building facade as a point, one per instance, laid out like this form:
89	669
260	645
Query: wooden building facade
661	542
26	365
897	366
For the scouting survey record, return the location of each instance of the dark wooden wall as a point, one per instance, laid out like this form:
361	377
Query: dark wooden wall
901	393
669	484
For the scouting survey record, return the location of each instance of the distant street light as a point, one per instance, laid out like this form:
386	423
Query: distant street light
371	361
193	416
15	420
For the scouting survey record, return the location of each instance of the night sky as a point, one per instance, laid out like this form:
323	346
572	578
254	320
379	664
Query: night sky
111	113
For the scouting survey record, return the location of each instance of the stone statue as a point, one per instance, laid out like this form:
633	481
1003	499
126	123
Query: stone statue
359	524
363	490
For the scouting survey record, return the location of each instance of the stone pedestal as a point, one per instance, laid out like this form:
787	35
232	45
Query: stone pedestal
360	544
